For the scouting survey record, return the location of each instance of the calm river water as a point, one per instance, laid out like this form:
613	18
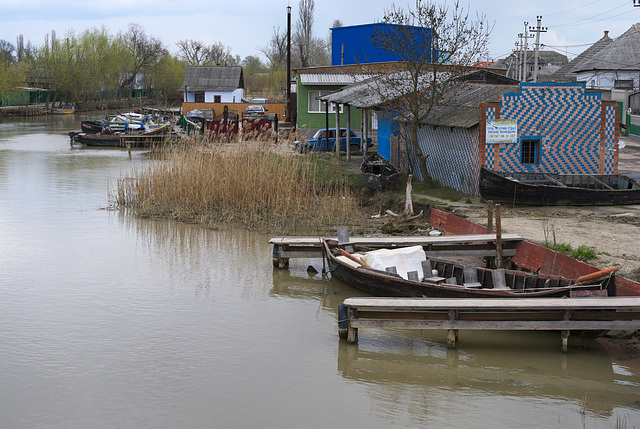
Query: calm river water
111	321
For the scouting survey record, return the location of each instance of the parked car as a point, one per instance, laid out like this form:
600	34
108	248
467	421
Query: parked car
259	100
254	111
319	141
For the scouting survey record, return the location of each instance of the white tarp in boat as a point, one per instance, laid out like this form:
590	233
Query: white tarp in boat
405	259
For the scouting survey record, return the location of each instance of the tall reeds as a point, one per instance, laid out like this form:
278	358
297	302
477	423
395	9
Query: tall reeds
260	185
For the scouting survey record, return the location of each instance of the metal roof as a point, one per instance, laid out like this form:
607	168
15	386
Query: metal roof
208	78
331	78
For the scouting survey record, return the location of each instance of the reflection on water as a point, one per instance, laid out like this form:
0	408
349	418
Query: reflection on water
114	321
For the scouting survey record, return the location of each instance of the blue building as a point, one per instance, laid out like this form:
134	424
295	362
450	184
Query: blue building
356	44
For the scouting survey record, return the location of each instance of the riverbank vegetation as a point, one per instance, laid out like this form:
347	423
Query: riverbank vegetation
96	65
258	185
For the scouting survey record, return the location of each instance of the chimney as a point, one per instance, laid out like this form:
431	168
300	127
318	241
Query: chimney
606	33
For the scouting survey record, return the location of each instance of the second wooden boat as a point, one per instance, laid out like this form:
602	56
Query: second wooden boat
547	189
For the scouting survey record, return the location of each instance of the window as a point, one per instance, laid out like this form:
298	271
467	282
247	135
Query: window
530	152
317	106
217	99
199	97
623	84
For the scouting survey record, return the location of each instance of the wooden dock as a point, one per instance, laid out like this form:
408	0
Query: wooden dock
551	314
131	141
285	248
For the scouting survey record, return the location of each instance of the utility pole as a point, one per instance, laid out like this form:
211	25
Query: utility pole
525	72
537	30
289	65
519	56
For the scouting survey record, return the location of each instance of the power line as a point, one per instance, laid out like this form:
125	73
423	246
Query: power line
575	8
591	18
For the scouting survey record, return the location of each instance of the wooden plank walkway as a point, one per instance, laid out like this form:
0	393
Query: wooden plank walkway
285	248
141	140
558	314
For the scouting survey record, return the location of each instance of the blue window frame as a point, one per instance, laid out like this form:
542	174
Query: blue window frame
530	151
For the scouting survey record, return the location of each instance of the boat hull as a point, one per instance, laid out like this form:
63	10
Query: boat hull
378	283
500	189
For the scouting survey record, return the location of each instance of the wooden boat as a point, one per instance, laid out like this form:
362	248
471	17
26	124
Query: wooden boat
92	126
439	278
558	189
64	110
378	173
99	139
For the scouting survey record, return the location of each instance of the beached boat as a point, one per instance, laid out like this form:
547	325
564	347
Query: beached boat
378	173
64	110
549	189
406	272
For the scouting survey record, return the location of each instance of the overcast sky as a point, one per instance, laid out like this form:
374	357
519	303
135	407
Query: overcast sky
247	25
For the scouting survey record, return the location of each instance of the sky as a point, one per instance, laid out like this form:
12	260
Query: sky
246	26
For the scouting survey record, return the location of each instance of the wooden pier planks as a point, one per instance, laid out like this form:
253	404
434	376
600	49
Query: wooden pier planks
561	314
442	246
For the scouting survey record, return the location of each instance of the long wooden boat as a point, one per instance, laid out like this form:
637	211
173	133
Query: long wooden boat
65	110
99	139
439	278
558	189
378	173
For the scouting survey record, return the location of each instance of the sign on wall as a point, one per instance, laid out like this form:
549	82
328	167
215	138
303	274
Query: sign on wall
502	131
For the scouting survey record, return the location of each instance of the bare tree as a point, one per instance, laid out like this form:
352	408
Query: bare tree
436	45
197	53
144	53
276	49
194	52
6	53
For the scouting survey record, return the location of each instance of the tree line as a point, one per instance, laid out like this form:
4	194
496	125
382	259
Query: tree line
82	67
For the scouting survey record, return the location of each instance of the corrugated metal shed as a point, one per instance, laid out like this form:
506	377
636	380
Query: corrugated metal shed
213	78
621	54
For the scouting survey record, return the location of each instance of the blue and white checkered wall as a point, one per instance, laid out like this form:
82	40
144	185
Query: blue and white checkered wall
567	120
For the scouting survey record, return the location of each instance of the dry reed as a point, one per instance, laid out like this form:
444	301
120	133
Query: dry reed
260	185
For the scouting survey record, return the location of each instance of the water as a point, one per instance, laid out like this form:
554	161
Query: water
107	320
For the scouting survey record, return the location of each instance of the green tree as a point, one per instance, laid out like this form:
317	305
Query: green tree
168	78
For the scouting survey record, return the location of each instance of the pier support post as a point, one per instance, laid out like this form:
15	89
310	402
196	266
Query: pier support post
565	341
352	333
279	262
343	321
452	334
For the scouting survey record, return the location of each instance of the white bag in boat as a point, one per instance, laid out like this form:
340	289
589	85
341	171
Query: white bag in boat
405	259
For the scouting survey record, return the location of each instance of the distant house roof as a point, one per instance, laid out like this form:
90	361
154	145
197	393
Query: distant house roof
621	54
213	78
566	72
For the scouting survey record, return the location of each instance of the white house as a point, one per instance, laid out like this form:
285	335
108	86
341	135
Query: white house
213	84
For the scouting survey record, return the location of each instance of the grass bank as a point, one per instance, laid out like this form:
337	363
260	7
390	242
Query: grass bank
258	185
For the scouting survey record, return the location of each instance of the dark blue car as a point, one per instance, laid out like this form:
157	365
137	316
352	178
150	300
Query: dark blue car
319	141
